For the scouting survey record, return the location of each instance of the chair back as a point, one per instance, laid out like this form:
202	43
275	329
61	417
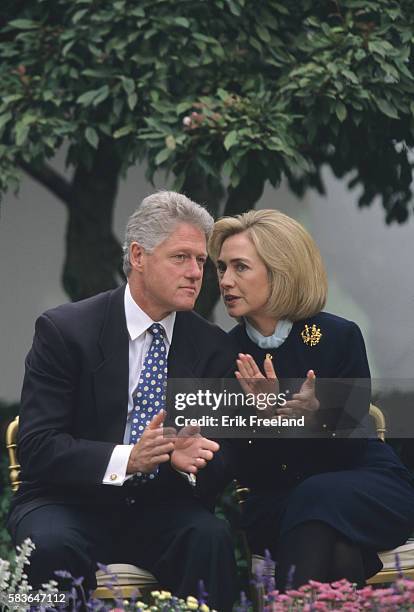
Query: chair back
379	420
11	445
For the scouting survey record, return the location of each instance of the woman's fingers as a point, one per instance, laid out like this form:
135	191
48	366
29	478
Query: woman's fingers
249	366
290	408
269	369
243	382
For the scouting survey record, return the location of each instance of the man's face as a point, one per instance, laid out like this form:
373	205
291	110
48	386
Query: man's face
170	277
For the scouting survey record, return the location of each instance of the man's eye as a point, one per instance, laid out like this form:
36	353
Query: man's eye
180	257
201	261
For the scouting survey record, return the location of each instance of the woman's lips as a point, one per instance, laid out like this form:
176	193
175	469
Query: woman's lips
230	300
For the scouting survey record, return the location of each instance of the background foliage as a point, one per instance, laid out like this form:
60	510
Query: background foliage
221	93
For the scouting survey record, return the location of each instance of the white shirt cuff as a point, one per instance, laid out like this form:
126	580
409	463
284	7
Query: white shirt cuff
116	471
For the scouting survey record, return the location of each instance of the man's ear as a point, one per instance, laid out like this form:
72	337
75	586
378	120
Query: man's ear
136	256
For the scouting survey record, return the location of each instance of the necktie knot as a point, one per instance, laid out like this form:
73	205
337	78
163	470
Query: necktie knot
156	329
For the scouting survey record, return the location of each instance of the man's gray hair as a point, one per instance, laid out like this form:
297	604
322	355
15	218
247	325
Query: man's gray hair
156	218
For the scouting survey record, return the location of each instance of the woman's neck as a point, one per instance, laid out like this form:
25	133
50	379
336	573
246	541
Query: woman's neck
264	325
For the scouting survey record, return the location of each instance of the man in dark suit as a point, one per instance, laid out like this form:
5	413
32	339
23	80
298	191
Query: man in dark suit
100	480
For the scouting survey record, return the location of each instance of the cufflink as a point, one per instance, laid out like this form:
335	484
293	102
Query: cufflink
113	477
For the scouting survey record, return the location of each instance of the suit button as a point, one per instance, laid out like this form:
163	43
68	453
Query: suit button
283	467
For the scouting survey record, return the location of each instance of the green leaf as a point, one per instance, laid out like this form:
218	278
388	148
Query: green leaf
22	132
236	10
340	110
222	94
29	119
87	98
162	156
99	74
78	15
387	108
101	94
351	76
5	118
92	137
179	181
263	33
23	24
170	142
137	12
128	85
67	47
377	47
12	98
123	131
132	100
227	167
183	107
230	140
182	21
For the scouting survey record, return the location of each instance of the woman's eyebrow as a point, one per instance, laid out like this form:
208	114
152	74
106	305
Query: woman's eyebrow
233	261
238	259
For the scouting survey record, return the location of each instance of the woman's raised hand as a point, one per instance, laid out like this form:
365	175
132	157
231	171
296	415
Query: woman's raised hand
303	403
252	380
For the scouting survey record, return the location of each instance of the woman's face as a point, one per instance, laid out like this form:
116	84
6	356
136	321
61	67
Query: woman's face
243	278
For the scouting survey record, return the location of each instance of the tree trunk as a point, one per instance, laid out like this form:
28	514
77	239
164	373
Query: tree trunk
93	255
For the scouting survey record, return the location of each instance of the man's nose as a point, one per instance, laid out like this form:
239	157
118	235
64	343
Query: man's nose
194	269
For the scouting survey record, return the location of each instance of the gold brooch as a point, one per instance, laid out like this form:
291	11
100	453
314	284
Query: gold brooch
311	335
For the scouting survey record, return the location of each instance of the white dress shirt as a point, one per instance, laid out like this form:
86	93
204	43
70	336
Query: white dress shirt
140	339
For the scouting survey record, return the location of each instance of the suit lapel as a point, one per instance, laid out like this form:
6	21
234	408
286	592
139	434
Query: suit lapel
183	355
183	358
111	378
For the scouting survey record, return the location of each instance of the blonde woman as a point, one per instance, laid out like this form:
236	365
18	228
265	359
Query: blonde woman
325	506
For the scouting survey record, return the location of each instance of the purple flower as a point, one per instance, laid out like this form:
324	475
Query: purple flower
63	574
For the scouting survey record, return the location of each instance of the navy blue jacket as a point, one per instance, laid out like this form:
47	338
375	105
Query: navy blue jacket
334	348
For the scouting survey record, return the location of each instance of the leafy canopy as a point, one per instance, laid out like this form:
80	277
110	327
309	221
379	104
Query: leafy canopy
223	87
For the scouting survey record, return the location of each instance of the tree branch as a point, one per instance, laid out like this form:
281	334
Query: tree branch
50	179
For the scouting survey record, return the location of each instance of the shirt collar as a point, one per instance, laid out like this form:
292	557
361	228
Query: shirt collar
138	321
282	331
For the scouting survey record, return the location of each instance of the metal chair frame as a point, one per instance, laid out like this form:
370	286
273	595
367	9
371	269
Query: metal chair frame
101	592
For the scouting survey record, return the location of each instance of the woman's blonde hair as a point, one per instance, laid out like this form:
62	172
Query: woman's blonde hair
298	282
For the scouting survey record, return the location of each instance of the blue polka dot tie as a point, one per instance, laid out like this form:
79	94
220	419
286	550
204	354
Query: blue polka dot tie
149	396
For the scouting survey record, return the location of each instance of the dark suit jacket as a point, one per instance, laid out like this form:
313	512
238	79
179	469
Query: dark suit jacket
75	398
343	387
